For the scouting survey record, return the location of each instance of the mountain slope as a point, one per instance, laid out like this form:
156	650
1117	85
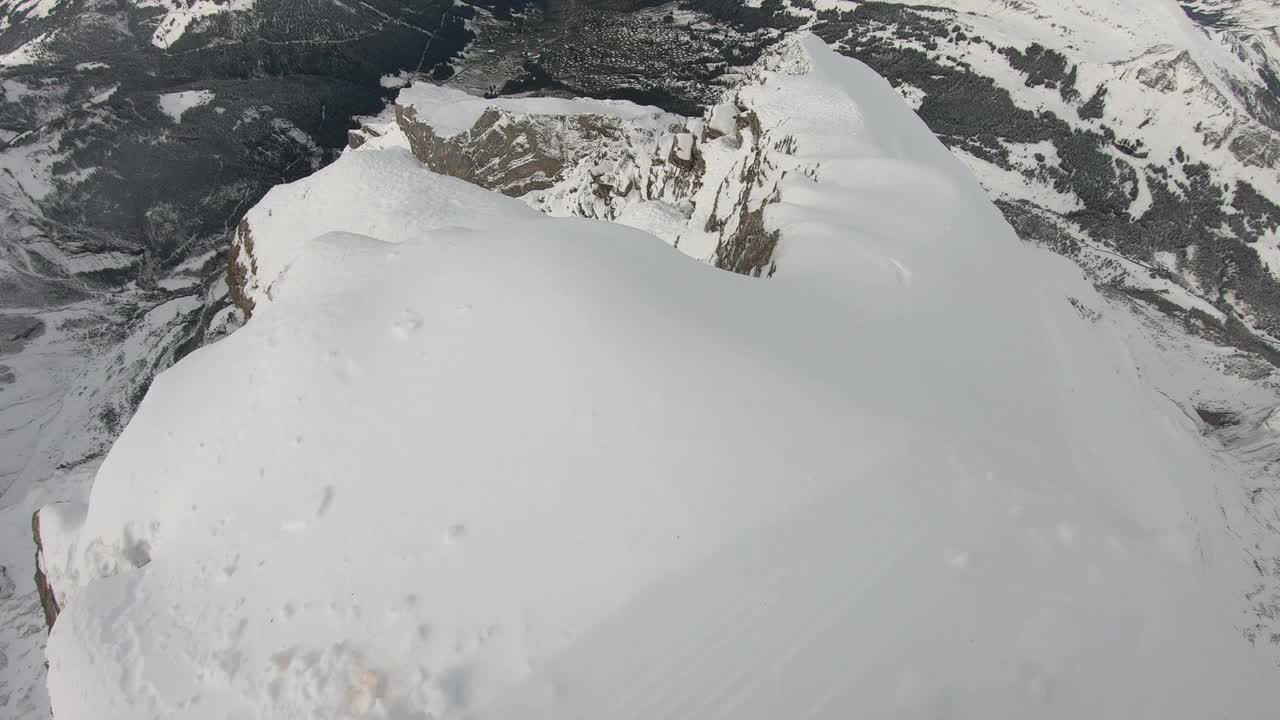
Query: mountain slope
906	476
1139	140
127	154
1126	130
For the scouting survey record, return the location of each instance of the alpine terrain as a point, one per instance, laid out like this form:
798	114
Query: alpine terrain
600	358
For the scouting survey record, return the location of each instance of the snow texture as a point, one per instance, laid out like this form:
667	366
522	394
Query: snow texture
177	15
467	460
450	111
176	104
28	53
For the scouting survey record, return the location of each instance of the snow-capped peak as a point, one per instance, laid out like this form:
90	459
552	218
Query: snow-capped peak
467	460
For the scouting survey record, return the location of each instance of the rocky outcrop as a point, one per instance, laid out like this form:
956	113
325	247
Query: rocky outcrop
710	179
511	154
361	135
746	246
720	172
713	176
241	265
48	600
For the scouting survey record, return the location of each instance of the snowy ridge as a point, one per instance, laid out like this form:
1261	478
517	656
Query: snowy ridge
701	184
114	215
1164	111
908	476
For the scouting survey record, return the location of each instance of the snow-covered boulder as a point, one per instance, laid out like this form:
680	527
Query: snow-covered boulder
467	460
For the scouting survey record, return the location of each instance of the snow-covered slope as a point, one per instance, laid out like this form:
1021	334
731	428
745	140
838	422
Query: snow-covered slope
1102	129
467	460
133	137
703	184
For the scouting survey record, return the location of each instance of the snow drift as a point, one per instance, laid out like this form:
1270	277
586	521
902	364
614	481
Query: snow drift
467	460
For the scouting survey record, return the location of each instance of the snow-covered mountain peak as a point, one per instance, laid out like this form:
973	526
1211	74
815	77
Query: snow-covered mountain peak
469	460
1138	139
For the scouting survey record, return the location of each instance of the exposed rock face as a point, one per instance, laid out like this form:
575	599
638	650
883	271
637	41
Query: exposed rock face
722	171
511	155
746	246
708	181
598	166
48	601
241	265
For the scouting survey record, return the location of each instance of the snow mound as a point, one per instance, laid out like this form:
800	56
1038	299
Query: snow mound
467	460
386	194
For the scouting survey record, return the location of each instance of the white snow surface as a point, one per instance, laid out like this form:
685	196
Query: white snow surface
28	53
353	197
178	15
450	111
1170	82
467	460
176	104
